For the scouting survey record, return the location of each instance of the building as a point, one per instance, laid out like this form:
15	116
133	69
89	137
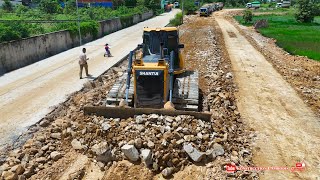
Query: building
95	3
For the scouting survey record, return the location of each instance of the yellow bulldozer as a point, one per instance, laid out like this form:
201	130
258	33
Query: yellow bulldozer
156	76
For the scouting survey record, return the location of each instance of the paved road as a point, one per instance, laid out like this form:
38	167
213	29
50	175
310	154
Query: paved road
288	130
28	94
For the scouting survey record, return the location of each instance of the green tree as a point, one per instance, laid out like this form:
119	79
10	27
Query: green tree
21	9
152	4
117	3
70	7
140	2
7	6
305	11
317	9
130	3
50	6
247	16
190	7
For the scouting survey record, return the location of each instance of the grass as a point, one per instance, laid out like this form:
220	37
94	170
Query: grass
296	38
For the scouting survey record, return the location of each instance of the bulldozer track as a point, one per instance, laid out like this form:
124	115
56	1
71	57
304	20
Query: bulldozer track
185	91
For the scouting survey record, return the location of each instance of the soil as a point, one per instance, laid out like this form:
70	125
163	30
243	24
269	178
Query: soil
270	103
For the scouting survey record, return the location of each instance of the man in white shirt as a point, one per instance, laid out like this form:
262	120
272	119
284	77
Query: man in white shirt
83	62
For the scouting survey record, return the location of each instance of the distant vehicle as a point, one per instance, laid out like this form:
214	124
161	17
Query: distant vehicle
204	11
26	2
278	5
219	6
176	4
253	5
90	3
284	4
211	8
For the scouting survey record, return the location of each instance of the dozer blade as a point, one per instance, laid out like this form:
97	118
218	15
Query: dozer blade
186	91
124	113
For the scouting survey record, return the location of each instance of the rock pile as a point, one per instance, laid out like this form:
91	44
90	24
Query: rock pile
158	141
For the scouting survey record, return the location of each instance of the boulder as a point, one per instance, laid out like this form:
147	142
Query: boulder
130	152
146	156
105	126
218	149
55	155
76	144
18	169
167	172
8	175
193	153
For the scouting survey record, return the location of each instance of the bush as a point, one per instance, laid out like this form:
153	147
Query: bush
70	7
177	20
21	9
50	6
305	12
190	7
247	16
13	31
317	9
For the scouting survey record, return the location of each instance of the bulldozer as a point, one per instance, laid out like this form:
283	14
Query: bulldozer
156	76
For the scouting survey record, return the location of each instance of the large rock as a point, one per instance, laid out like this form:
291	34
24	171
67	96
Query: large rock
22	177
41	160
130	152
103	152
167	172
29	171
8	175
139	119
55	155
105	126
18	169
218	149
76	144
100	148
146	156
154	117
56	135
193	153
138	143
150	144
44	123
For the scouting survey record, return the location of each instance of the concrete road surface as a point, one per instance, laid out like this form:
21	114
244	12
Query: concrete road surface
27	94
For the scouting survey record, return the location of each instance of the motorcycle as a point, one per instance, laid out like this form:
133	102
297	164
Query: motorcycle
107	53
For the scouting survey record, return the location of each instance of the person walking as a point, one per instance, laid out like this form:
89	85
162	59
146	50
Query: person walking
83	62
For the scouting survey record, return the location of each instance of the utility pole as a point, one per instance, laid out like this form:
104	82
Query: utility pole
182	2
79	24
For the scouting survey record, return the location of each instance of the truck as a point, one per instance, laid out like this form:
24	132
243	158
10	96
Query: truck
219	6
176	5
253	5
205	11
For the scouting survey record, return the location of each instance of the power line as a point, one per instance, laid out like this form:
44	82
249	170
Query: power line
38	21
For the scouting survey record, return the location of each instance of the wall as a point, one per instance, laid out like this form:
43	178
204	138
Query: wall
20	53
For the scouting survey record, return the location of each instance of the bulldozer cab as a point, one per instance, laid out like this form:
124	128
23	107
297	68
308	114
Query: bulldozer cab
169	38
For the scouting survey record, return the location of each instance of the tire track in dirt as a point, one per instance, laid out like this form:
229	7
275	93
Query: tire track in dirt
288	130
